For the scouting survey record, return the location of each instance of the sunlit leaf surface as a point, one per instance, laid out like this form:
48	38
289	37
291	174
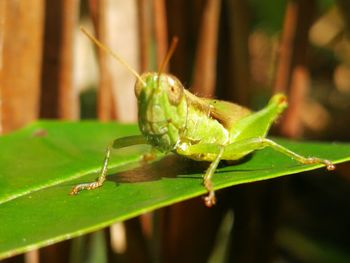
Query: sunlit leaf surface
41	163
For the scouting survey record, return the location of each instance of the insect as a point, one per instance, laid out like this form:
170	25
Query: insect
172	119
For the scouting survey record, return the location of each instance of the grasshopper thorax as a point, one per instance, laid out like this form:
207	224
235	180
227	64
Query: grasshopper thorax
162	109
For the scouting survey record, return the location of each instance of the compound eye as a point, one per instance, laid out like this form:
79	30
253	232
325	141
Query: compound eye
175	91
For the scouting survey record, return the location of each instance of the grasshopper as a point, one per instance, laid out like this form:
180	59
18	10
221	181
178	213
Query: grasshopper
172	119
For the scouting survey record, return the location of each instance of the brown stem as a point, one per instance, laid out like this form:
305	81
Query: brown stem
20	62
205	65
104	97
161	31
292	75
59	97
144	33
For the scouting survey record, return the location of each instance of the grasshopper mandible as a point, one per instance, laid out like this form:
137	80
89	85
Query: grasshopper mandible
171	119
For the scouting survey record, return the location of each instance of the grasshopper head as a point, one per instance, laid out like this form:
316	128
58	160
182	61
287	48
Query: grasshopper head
162	109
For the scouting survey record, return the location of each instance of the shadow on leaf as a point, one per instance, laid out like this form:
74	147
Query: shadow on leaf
170	166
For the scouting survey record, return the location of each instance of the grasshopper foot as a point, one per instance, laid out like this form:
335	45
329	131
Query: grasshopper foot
329	165
87	186
210	199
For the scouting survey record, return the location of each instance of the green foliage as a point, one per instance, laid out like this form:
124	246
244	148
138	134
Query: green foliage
268	15
41	163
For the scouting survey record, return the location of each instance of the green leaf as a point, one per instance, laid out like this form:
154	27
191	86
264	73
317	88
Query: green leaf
42	162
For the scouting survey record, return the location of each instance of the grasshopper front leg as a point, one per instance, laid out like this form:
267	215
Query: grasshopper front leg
118	143
99	181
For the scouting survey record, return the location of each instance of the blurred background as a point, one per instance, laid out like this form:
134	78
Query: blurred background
240	51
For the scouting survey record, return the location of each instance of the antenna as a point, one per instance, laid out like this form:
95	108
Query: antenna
168	55
113	54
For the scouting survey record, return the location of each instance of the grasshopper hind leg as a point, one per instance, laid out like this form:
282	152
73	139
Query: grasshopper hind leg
250	145
237	150
263	142
99	181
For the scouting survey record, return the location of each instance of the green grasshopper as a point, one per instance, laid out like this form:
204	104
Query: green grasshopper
171	119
